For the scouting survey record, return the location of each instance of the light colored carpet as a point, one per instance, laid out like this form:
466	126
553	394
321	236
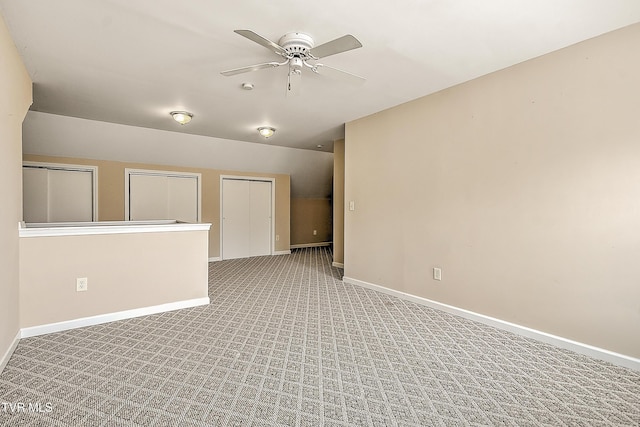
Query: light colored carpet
286	343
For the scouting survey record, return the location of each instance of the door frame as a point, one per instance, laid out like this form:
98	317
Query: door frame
273	207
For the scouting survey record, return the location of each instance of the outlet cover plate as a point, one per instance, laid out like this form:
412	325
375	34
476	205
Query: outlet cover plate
82	284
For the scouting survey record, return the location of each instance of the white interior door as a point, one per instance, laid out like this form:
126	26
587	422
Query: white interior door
148	197
236	208
35	194
183	198
260	218
70	195
58	194
158	196
246	218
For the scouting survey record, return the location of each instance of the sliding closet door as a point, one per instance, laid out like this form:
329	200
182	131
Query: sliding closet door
236	217
58	193
157	195
183	198
246	218
260	218
35	194
70	195
148	197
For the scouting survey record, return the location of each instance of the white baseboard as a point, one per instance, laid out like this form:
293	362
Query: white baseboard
338	265
311	245
216	259
282	252
7	354
578	347
33	331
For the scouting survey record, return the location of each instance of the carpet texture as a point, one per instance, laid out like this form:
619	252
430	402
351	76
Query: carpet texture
285	342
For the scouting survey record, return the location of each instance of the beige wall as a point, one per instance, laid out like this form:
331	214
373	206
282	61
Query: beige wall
124	272
111	194
15	98
523	186
338	201
308	215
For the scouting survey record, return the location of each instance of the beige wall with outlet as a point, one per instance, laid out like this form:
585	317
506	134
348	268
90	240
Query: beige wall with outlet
111	194
307	216
123	271
523	186
15	99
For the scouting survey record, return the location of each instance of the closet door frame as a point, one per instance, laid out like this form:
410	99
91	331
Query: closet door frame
72	168
273	206
127	175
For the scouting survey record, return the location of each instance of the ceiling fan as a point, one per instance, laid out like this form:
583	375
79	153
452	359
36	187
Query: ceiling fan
299	51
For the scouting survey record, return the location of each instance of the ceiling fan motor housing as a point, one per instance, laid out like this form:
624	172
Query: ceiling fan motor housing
297	44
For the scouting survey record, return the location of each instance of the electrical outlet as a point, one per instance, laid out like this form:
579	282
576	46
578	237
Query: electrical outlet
82	284
437	273
315	232
277	237
352	205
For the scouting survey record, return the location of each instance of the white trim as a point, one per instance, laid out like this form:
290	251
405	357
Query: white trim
282	252
110	317
311	245
70	167
215	259
578	347
106	227
7	354
130	171
273	207
338	265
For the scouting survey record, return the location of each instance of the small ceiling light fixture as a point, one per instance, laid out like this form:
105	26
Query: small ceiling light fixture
182	117
247	86
266	131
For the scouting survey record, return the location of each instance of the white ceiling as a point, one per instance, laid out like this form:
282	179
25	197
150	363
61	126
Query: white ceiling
132	62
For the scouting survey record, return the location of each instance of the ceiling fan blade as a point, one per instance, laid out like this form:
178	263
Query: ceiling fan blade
325	70
294	82
274	47
250	68
338	45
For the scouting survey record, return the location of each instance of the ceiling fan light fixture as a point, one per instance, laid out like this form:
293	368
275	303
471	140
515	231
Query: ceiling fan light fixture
266	131
182	117
298	51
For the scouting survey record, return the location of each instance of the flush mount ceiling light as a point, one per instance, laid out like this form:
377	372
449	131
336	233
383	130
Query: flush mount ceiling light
266	131
182	117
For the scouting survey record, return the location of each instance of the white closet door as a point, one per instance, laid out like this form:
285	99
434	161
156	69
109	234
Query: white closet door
246	218
236	219
260	222
183	198
148	198
35	197
70	195
157	195
57	195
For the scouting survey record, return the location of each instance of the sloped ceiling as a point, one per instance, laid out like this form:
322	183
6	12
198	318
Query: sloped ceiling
132	62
